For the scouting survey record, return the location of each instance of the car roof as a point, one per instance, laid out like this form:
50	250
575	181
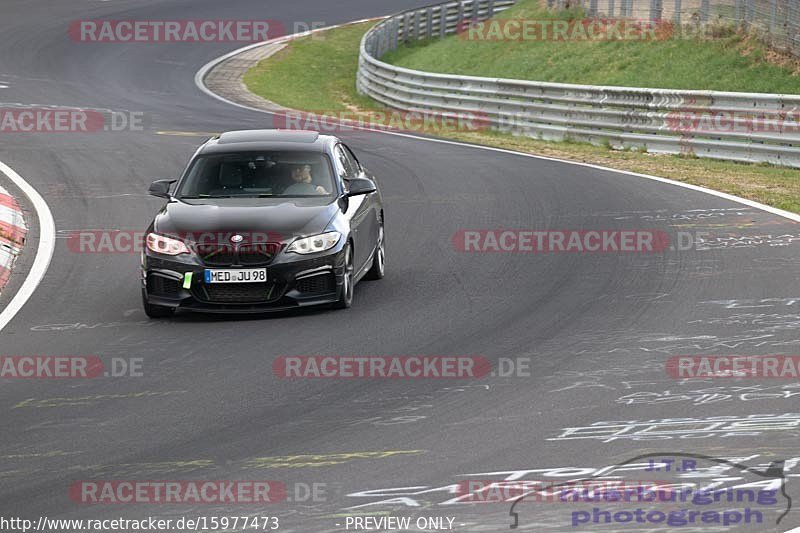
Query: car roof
273	139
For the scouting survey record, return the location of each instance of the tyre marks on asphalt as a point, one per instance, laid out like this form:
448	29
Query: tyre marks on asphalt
72	401
199	466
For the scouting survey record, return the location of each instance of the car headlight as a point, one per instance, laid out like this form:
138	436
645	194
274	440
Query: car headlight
315	243
165	245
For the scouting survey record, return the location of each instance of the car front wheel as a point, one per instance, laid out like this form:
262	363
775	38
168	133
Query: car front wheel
378	269
346	294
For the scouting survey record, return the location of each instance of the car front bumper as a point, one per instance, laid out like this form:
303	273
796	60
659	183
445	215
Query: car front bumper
291	284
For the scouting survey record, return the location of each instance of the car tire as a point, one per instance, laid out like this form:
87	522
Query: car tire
378	268
156	311
346	297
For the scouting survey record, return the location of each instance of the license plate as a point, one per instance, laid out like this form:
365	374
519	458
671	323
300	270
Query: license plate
253	275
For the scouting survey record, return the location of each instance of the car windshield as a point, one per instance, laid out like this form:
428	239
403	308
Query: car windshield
288	174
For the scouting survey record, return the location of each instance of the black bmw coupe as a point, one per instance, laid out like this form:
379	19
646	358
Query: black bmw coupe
263	220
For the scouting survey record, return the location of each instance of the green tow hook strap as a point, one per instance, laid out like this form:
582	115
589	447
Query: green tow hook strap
187	280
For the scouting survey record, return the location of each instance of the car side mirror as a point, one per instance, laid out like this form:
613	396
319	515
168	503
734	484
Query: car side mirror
160	188
357	186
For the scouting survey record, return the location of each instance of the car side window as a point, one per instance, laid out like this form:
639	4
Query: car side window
352	158
346	170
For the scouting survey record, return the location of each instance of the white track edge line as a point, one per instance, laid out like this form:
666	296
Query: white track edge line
205	69
44	252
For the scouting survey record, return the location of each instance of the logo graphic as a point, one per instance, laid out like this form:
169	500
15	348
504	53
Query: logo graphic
775	471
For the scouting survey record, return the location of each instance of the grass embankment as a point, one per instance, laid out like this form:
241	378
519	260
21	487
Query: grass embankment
315	73
318	73
730	61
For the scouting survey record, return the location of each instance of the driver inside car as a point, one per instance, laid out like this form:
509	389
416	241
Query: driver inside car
302	182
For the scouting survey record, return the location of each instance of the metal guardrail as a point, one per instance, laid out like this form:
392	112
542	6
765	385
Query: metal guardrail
750	127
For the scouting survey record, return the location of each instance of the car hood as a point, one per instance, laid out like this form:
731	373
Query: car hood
281	218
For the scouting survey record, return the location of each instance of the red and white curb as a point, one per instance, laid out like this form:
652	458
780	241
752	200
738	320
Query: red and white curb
44	249
12	234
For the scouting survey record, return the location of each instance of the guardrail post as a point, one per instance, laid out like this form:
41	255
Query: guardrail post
610	12
704	10
460	16
406	26
443	21
748	12
592	8
386	38
676	16
369	44
773	16
379	37
429	21
655	9
490	8
395	33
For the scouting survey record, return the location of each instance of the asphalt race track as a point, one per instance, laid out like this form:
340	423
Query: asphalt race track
597	328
